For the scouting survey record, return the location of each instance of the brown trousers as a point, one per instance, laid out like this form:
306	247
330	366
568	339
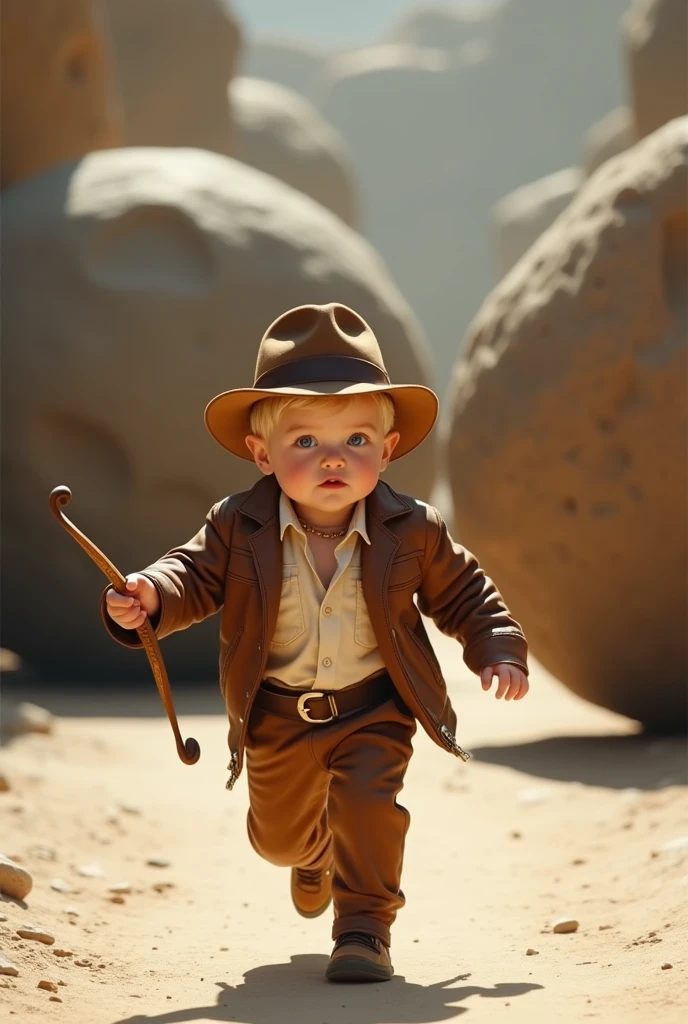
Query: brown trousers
317	789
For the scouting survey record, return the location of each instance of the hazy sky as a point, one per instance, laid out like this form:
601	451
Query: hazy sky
327	21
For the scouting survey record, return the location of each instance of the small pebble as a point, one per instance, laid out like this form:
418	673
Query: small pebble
82	963
59	885
161	886
565	925
28	718
158	862
4	784
516	835
30	931
117	899
120	887
3	917
54	999
532	952
680	843
129	808
49	986
667	967
72	911
7	967
578	861
43	851
15	881
90	871
112	815
62	952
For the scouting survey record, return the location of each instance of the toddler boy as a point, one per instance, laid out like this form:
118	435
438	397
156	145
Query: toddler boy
325	664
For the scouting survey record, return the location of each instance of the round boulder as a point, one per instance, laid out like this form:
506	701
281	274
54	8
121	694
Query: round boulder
568	433
174	59
655	34
136	286
57	97
608	137
520	218
281	133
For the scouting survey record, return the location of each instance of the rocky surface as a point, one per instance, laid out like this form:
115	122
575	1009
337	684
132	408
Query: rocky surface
58	96
157	280
15	880
568	430
281	133
174	59
654	35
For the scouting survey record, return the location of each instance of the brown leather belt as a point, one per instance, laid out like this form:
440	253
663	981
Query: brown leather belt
317	707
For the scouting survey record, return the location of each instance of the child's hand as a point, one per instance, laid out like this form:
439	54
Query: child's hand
512	682
130	610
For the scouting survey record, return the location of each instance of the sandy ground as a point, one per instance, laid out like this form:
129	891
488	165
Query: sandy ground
563	812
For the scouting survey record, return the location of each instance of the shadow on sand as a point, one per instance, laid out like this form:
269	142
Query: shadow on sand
638	761
297	991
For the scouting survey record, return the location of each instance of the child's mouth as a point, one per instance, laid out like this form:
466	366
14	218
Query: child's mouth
333	484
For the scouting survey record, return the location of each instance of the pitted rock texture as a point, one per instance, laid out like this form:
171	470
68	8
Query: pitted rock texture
520	218
608	137
57	97
281	133
655	34
568	436
174	60
438	136
158	272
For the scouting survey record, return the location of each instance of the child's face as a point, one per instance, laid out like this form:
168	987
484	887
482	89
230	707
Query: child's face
310	446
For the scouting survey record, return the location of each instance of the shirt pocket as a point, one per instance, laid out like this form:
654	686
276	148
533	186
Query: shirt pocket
363	630
290	620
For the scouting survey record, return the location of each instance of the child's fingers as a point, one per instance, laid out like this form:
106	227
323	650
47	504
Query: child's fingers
523	689
486	677
503	674
115	600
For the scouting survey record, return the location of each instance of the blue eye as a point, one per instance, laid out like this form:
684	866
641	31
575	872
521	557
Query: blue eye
361	437
306	437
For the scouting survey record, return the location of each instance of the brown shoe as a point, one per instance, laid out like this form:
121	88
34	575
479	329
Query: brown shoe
358	956
311	891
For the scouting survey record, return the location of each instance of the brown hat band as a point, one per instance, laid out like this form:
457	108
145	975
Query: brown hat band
308	371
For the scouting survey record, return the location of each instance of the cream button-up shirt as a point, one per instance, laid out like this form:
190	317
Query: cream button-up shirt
323	639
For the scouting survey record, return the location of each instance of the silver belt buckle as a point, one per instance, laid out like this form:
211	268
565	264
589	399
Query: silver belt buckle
303	710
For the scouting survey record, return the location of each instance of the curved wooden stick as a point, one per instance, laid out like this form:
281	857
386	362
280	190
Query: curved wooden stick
189	751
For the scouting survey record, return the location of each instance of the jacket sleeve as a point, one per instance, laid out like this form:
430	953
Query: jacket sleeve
465	604
190	579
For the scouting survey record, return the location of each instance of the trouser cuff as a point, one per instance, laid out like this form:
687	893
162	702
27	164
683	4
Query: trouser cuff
362	923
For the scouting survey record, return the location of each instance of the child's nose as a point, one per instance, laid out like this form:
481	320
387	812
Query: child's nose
332	458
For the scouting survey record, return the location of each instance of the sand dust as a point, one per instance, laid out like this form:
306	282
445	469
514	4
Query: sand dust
563	813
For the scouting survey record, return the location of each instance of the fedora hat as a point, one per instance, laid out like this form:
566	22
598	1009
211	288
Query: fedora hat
320	350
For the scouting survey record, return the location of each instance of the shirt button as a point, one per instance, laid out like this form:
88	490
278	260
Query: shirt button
327	610
327	662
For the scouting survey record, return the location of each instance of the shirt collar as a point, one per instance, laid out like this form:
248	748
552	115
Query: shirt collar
288	517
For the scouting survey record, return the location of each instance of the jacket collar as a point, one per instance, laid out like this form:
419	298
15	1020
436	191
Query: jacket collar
262	501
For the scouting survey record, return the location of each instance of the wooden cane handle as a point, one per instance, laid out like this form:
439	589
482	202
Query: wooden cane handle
189	751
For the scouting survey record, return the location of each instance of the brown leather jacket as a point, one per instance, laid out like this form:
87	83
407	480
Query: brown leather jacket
235	562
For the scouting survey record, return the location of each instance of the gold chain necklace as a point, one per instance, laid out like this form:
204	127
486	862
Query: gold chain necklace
319	533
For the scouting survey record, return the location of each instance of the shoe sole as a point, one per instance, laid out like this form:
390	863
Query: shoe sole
310	914
354	970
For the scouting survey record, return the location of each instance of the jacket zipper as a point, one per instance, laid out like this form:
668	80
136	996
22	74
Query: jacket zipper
445	734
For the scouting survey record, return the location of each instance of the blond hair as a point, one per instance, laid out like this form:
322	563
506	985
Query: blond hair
265	414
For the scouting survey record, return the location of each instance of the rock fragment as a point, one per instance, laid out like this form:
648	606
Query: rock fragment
31	931
15	881
27	718
565	925
49	986
7	967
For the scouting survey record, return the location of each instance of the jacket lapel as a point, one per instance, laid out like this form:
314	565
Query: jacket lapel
376	558
262	505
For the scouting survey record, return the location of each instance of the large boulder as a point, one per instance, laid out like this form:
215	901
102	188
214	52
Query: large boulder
294	63
438	136
136	286
438	26
57	99
568	435
520	218
281	133
655	34
174	60
608	137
